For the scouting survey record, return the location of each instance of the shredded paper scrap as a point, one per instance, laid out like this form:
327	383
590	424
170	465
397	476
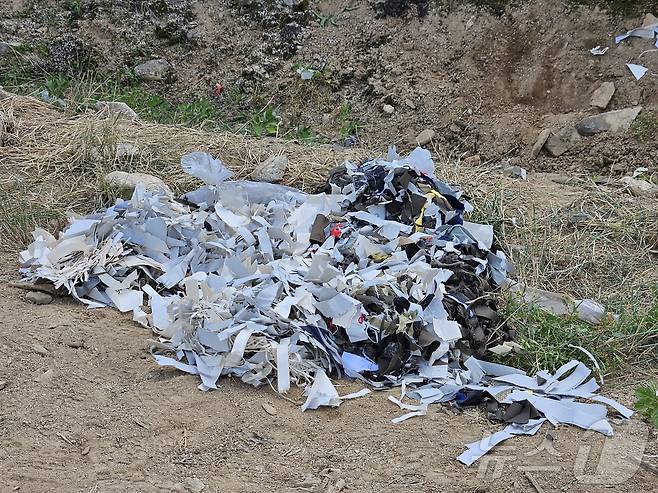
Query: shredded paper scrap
377	278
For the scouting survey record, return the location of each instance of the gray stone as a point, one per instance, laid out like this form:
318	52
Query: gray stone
611	121
40	350
38	298
388	109
516	172
7	47
115	108
649	20
156	70
3	384
126	182
410	104
194	485
539	143
271	170
425	137
563	140
639	188
602	96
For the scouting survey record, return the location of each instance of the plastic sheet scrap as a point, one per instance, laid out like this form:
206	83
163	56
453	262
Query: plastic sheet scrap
378	277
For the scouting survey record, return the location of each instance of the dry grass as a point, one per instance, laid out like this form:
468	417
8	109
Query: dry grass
587	240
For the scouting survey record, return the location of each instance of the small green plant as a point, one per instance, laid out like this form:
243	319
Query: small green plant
645	128
305	134
325	20
348	127
265	123
57	85
647	402
75	7
549	341
196	113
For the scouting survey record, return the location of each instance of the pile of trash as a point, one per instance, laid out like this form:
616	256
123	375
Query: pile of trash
378	278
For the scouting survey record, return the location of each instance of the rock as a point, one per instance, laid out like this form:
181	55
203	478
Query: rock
75	343
115	108
39	349
125	150
539	143
612	121
602	96
3	384
649	20
516	172
38	298
410	104
126	182
156	70
272	170
194	35
388	109
7	47
563	179
560	142
425	137
269	408
475	160
194	485
45	377
639	188
86	450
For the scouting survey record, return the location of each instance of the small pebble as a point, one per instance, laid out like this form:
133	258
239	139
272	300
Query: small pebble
388	109
38	298
39	349
269	409
75	343
194	485
3	384
86	450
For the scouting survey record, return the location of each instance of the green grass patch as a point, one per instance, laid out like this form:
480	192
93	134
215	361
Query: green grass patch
647	402
645	127
549	341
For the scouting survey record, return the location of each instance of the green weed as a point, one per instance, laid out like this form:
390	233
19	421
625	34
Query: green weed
647	402
348	127
265	122
57	85
645	128
549	341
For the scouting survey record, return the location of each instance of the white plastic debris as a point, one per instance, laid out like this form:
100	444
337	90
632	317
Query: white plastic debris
599	50
638	71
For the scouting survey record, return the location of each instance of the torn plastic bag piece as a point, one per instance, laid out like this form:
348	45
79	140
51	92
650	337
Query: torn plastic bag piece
321	393
477	449
203	166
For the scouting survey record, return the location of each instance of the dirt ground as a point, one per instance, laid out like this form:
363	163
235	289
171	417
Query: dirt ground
486	80
97	414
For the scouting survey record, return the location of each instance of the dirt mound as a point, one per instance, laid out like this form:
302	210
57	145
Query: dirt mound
486	78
